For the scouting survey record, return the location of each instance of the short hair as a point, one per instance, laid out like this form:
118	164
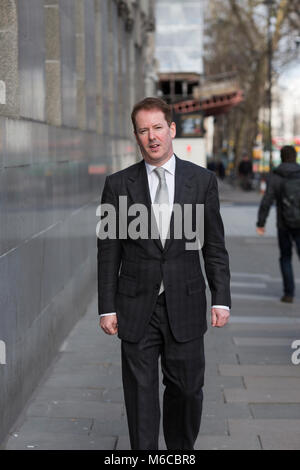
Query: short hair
152	103
288	154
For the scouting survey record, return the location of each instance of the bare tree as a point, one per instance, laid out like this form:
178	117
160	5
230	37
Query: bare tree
236	40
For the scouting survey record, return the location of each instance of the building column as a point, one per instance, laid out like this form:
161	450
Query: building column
52	63
80	64
99	61
9	90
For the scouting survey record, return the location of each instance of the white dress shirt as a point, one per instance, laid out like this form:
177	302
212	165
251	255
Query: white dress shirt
153	181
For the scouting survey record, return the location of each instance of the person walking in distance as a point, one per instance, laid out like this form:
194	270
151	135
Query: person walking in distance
151	291
284	188
245	172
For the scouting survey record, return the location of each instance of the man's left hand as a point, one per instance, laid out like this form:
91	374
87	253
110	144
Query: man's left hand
260	230
219	317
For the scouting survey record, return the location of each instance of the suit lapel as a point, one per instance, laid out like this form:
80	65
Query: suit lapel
183	182
138	188
182	193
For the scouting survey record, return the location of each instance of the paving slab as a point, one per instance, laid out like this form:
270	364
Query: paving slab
76	409
123	443
236	395
262	341
35	424
81	378
277	440
254	370
212	426
274	434
227	443
50	441
214	386
275	410
207	442
109	427
254	297
215	410
260	329
218	357
258	426
103	394
279	320
272	383
265	356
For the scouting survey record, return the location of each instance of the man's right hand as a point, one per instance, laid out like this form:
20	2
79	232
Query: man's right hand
109	324
260	230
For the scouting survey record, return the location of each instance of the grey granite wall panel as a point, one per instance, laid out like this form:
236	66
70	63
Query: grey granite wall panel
49	189
9	103
29	357
18	143
8	302
2	143
115	71
105	67
123	82
80	64
68	62
31	59
52	64
90	63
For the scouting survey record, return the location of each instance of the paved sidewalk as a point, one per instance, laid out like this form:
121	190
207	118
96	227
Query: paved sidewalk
235	194
252	388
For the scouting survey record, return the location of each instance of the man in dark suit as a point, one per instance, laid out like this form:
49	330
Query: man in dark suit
151	288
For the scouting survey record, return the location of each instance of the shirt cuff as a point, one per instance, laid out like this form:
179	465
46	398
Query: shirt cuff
106	314
221	306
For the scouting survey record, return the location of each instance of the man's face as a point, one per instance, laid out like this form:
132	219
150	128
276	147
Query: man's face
154	136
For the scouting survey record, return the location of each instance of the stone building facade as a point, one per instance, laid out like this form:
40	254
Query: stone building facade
70	72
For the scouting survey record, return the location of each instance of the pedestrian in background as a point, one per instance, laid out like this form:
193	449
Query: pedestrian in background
211	165
221	170
245	172
284	188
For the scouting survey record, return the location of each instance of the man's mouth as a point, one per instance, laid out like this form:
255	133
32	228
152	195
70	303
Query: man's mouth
154	146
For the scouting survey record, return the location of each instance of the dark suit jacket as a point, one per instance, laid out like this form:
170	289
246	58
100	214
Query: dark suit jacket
130	271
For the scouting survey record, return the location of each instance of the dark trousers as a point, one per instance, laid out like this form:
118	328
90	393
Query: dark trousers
285	240
183	376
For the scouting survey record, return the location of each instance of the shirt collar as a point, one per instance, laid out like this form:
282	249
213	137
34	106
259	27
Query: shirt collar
168	166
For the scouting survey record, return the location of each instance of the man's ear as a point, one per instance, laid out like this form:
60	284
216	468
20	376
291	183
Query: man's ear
173	129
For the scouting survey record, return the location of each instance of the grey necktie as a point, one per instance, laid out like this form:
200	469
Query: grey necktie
162	197
162	193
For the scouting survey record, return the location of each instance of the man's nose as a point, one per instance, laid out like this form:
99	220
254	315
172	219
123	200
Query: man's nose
151	134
